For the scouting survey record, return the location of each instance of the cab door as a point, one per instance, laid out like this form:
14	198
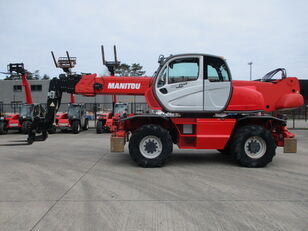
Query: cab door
179	84
217	84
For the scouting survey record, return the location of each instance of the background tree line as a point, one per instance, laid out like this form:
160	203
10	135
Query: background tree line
134	69
30	76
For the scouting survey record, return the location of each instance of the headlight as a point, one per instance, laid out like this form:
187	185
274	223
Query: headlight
1	118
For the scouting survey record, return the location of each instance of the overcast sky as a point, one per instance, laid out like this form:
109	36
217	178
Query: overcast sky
271	34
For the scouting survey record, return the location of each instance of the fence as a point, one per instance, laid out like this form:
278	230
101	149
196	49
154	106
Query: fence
93	109
297	118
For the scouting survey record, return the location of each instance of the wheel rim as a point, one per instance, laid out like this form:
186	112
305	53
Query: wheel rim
255	147
150	147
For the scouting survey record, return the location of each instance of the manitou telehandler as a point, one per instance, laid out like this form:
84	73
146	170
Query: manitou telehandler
24	118
75	119
105	120
204	108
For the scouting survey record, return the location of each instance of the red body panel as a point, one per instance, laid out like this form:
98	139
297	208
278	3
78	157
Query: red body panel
62	120
72	98
268	96
151	100
209	133
104	116
25	83
12	121
245	99
113	85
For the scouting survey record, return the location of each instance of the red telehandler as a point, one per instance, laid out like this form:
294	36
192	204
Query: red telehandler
105	120
24	118
205	109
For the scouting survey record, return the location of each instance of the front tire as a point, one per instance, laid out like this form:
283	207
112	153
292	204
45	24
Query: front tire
99	127
150	146
253	146
75	126
3	129
106	129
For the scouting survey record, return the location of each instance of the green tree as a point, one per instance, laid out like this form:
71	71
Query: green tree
13	76
29	75
36	75
136	70
123	70
45	77
129	70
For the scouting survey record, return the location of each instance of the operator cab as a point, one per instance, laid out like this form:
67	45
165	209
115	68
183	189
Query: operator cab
29	111
76	111
26	111
121	108
193	83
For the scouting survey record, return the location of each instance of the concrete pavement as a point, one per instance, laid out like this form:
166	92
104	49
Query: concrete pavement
73	182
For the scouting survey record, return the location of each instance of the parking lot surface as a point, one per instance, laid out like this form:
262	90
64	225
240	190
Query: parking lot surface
73	182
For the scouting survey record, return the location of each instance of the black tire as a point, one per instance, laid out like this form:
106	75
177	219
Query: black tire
31	137
75	126
99	127
260	146
106	129
161	139
44	135
86	125
25	126
52	129
222	151
3	129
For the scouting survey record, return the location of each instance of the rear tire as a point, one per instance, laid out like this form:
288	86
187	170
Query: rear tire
253	146
75	126
25	127
99	127
150	146
3	129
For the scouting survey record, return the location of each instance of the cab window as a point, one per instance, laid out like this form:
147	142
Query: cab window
162	78
182	70
216	70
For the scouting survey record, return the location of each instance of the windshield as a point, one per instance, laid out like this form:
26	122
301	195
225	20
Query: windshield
73	110
120	108
26	110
